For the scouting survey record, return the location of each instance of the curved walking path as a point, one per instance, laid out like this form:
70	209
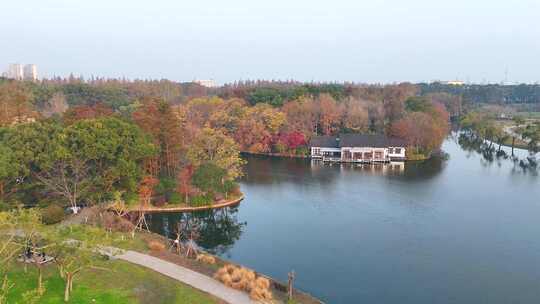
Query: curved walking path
187	276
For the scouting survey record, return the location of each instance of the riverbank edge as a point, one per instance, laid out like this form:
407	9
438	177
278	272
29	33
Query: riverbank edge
275	284
283	155
227	203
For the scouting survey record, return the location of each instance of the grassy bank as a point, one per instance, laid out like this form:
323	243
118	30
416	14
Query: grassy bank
122	282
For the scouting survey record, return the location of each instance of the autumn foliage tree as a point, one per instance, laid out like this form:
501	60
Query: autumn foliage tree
156	117
82	112
330	115
424	126
146	189
184	182
15	104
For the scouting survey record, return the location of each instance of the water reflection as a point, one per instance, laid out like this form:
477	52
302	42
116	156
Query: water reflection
272	170
373	234
492	154
218	230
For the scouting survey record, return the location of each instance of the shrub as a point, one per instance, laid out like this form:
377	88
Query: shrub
110	221
280	147
4	206
156	245
228	186
205	258
218	197
208	177
166	185
200	200
131	198
236	190
175	198
52	214
302	151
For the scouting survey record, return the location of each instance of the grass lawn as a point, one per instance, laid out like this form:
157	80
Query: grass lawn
121	283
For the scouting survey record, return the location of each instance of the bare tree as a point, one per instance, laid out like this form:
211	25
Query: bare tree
67	178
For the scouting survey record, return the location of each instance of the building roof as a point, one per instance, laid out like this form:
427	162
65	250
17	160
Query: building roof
324	141
357	140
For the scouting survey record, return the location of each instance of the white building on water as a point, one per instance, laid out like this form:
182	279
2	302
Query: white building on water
358	148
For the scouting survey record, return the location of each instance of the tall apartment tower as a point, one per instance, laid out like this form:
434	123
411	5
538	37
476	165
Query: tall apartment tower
15	71
30	72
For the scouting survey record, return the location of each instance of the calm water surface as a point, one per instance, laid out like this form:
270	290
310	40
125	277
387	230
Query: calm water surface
464	230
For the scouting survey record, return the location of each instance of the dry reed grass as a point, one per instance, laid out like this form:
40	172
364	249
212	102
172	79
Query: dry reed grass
156	245
241	278
205	258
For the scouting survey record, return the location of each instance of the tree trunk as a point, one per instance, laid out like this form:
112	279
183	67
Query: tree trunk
40	281
513	141
66	290
62	273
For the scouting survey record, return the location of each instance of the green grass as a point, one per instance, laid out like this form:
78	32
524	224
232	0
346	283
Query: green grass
529	115
121	283
116	239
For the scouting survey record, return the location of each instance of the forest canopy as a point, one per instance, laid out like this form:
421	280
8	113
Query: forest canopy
159	141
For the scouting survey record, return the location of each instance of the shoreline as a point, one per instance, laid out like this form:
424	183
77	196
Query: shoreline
210	269
217	205
293	156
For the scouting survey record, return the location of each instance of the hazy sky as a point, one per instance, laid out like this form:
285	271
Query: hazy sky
364	41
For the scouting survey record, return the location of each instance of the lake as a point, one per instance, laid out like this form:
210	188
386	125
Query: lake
461	230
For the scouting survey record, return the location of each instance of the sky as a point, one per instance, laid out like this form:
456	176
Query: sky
375	41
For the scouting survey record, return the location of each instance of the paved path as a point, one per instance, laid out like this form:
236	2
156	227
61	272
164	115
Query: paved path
187	276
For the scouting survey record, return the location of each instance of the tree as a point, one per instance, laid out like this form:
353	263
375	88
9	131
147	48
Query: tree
21	230
211	146
184	182
253	136
355	116
146	189
330	114
15	104
73	255
8	170
8	249
82	112
86	160
156	117
302	115
532	133
209	177
418	104
55	105
517	129
453	103
420	130
269	96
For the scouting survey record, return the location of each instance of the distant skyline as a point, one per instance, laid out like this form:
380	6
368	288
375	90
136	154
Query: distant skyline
362	41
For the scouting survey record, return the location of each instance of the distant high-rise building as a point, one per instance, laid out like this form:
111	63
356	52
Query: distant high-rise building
209	83
15	71
30	72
